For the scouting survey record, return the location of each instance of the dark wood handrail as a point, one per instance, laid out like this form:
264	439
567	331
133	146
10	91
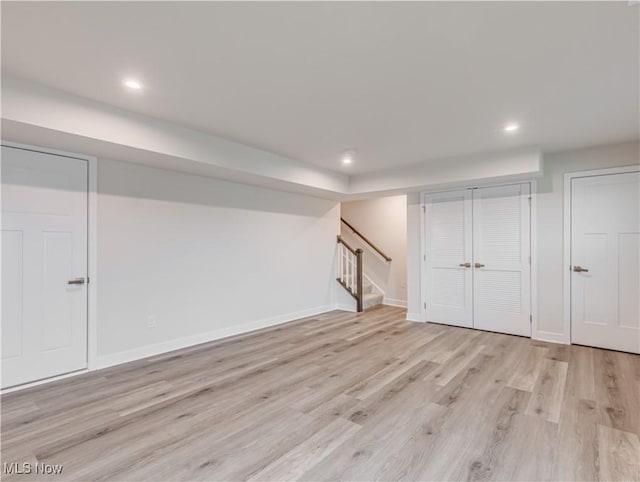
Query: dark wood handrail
342	241
364	238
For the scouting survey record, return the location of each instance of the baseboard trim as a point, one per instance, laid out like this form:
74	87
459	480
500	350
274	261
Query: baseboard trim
345	307
43	381
187	341
551	337
394	302
414	317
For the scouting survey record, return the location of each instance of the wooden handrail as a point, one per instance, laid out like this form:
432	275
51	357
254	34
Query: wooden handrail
342	241
364	238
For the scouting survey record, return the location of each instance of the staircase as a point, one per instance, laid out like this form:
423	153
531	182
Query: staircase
370	298
350	272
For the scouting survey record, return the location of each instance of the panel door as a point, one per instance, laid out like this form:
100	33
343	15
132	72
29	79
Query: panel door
605	261
448	231
44	246
501	259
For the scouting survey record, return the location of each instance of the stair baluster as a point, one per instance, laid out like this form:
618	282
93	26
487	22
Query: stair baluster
350	271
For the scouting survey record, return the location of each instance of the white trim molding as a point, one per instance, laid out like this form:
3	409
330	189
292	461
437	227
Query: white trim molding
188	341
415	317
566	237
394	302
345	307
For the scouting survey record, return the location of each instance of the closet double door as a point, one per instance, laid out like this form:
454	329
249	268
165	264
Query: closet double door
477	255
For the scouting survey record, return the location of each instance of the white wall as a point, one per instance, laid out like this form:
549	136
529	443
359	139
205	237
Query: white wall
384	222
208	258
503	166
550	231
414	310
550	224
39	115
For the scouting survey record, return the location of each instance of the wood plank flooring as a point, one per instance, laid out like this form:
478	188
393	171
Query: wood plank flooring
341	396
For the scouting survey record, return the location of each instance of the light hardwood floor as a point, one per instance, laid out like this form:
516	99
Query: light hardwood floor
341	396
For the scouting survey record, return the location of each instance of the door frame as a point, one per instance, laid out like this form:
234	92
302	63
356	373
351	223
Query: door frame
533	245
92	254
566	237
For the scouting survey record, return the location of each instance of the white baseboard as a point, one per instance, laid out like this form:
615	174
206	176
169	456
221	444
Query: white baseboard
345	307
187	341
414	317
394	302
551	337
44	380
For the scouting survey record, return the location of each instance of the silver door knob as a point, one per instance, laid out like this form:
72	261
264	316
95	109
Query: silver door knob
77	281
478	265
465	265
580	269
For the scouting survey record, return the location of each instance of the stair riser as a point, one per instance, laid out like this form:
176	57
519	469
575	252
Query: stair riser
371	301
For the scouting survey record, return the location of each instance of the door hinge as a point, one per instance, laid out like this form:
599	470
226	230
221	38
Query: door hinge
529	259
530	318
424	209
424	305
424	257
529	200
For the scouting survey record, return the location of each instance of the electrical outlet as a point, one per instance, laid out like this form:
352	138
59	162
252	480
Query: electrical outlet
152	321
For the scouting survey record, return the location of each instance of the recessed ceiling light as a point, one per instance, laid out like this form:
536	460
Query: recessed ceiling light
133	84
348	156
511	127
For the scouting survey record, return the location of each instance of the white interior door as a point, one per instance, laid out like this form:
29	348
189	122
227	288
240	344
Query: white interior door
501	259
448	231
605	261
44	247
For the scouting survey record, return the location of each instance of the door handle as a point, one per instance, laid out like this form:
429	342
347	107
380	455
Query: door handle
77	281
580	269
465	265
478	265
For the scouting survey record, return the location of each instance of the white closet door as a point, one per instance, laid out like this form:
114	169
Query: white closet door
44	246
501	257
605	261
449	296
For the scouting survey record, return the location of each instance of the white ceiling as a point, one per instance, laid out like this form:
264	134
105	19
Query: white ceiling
403	83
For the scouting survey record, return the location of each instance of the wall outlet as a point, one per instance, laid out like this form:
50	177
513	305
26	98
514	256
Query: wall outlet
152	321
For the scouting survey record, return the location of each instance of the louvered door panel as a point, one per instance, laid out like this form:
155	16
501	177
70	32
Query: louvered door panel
501	256
448	291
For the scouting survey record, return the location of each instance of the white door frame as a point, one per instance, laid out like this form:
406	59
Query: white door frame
92	261
534	247
566	236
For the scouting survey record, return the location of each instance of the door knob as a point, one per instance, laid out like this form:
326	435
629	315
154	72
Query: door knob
465	265
478	265
77	281
580	269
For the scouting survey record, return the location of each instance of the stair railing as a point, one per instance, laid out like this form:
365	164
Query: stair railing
350	271
366	240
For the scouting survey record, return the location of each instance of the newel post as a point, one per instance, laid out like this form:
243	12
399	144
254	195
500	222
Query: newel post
359	279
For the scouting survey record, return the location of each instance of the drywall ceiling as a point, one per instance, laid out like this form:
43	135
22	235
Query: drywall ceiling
404	83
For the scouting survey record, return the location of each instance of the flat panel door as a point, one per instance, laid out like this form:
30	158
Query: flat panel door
447	249
501	259
605	261
44	246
